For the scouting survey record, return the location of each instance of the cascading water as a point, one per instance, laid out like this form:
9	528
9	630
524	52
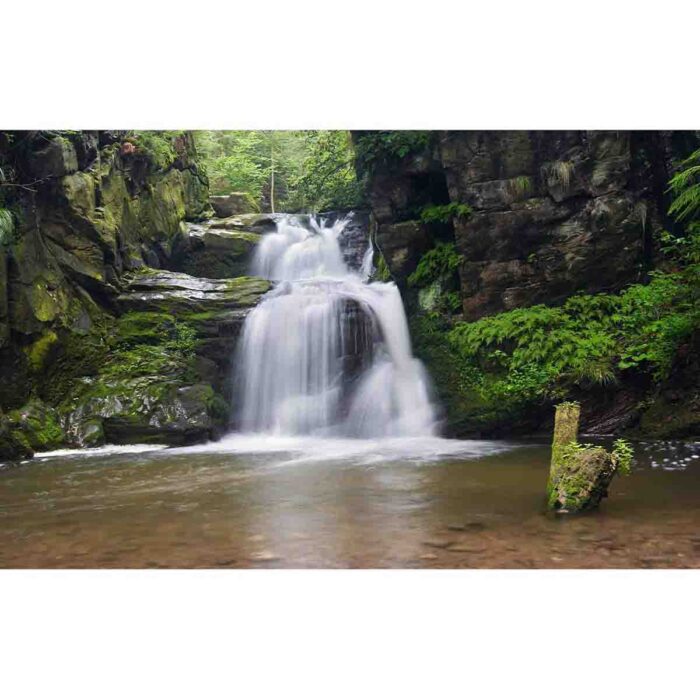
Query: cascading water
327	353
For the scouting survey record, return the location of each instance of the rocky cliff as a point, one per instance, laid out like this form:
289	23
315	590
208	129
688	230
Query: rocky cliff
475	223
95	342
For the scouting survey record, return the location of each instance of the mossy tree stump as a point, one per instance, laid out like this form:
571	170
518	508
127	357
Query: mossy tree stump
579	475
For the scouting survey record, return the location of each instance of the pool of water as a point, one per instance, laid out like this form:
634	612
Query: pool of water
260	502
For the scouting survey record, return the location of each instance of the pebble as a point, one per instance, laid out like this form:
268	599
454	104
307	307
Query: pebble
263	556
466	548
439	543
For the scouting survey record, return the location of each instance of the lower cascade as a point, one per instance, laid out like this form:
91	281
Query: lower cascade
327	353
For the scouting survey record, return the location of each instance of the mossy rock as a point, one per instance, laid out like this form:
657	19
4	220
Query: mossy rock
12	446
37	425
579	477
148	410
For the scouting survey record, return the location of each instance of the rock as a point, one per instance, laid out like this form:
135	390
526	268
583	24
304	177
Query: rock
92	215
37	426
264	556
54	159
12	447
257	223
234	203
177	292
354	237
204	251
438	543
402	245
579	475
90	433
143	410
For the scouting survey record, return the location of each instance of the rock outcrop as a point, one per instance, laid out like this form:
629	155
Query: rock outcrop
103	335
553	213
532	217
234	203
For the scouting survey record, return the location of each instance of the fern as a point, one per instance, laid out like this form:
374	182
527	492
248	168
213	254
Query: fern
444	213
685	186
438	262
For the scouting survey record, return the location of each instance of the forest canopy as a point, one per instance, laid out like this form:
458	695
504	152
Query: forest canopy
283	170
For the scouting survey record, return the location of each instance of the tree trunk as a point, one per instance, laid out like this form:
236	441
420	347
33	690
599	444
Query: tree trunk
272	180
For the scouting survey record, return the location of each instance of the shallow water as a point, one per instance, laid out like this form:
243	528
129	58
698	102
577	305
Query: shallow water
341	503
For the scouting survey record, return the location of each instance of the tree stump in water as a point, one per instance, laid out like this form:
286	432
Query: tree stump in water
579	475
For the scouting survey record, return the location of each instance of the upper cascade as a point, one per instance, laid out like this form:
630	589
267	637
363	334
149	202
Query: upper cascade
327	353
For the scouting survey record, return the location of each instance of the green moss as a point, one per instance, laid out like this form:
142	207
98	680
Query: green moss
157	146
382	273
39	351
37	426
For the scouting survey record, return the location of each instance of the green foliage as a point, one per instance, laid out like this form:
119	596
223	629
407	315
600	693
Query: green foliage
383	147
444	213
313	170
622	454
327	177
520	186
542	352
685	186
236	161
440	261
157	145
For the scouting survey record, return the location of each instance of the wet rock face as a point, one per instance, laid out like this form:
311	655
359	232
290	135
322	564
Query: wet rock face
162	290
233	203
354	238
553	213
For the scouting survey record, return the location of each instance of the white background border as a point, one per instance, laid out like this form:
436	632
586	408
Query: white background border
339	65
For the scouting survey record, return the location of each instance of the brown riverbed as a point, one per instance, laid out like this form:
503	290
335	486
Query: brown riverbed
219	509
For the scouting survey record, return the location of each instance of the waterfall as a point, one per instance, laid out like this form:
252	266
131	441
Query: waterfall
326	353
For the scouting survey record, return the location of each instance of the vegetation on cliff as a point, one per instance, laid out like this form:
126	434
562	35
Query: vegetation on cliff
499	369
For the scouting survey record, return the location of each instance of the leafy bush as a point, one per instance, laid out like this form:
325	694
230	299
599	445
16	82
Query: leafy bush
542	352
327	178
376	147
444	213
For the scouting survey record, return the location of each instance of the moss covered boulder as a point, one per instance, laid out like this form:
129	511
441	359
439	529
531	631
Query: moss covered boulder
35	427
147	409
580	474
12	446
234	203
207	251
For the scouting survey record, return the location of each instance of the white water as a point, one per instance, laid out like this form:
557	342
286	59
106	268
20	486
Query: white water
326	353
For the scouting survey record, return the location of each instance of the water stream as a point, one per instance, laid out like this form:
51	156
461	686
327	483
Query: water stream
327	353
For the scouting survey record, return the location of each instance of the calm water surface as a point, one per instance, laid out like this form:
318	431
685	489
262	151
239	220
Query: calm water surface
423	503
